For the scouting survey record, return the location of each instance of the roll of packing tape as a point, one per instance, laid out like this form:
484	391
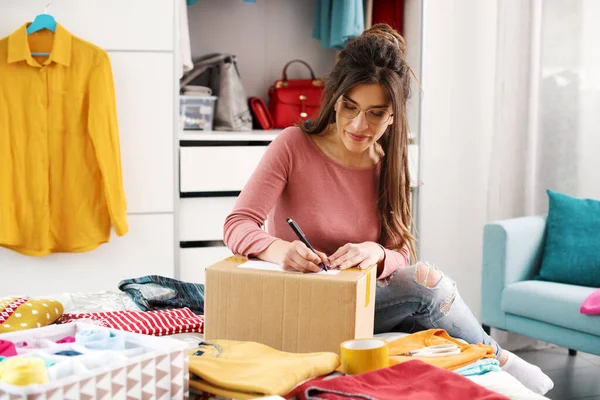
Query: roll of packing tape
363	355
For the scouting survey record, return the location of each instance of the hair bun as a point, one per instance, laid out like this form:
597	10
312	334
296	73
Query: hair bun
387	32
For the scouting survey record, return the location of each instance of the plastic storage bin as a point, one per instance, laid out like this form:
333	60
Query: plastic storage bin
196	112
144	367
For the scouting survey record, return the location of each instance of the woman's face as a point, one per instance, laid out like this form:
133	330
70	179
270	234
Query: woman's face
362	116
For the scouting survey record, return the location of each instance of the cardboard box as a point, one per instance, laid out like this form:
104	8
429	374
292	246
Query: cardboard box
292	312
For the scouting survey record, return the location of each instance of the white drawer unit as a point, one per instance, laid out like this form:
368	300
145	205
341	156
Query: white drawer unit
193	261
213	169
218	168
202	219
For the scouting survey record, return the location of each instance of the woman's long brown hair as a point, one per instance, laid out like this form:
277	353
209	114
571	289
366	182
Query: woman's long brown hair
377	56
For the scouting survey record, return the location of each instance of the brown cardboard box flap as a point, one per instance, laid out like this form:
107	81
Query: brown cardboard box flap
288	311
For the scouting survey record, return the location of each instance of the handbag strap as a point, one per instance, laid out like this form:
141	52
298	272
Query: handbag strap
201	64
284	72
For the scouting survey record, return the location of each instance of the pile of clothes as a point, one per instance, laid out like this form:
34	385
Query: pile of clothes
160	306
246	370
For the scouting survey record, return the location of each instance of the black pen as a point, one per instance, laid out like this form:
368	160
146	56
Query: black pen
303	239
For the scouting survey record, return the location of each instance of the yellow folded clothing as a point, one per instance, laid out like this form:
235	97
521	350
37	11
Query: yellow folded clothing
469	353
18	313
23	371
246	370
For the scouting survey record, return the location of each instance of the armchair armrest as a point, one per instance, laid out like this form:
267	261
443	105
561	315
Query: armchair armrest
512	251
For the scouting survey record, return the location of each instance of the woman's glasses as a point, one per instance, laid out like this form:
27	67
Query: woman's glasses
375	116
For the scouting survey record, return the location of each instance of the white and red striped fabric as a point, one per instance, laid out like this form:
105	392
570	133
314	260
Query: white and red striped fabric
157	322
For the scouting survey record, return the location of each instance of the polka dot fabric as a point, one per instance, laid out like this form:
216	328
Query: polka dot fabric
18	313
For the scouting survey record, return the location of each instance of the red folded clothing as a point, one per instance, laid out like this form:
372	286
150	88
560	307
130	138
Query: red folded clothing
408	380
157	323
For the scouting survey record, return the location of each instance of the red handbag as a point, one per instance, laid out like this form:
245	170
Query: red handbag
296	100
261	116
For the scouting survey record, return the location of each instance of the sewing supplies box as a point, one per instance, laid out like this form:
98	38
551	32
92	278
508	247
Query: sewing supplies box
149	367
291	312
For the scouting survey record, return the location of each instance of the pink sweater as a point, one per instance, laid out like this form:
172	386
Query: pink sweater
333	204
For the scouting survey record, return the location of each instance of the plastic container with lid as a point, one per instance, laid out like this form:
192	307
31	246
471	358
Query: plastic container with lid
197	112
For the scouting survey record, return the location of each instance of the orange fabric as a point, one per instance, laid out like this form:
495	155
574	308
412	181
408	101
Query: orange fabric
469	352
60	164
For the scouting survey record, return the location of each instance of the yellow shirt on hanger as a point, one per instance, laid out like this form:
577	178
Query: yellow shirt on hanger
60	165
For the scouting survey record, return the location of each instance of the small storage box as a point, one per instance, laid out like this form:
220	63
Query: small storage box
196	112
148	367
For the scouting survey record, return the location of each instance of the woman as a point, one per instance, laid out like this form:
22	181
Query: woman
344	179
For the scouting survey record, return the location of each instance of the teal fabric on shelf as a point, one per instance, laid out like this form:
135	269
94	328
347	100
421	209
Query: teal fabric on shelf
337	21
572	250
190	2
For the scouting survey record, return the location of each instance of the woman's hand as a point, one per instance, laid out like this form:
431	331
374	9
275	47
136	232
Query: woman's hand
361	255
298	257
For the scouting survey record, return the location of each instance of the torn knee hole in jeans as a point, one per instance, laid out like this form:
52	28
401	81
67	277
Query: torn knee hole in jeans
447	304
427	275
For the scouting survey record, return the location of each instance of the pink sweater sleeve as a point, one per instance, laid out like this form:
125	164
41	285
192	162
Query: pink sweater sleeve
243	233
393	260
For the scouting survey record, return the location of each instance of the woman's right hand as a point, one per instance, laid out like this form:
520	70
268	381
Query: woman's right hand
298	257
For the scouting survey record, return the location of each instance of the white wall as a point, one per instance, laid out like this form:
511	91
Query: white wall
459	47
264	36
139	37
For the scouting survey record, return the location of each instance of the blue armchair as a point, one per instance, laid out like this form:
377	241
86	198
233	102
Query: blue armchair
513	301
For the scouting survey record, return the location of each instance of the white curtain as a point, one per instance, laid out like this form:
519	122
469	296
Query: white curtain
547	105
512	155
546	110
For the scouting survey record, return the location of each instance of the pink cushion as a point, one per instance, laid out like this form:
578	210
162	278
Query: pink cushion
591	305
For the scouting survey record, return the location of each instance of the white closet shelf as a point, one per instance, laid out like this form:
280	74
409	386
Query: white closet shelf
229	135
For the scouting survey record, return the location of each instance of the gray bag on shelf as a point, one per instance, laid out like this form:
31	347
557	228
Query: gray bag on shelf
220	73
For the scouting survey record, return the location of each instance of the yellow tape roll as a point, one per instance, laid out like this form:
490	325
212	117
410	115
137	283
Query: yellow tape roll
363	355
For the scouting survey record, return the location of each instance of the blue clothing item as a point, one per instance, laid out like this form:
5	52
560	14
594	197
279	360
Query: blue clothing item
337	21
154	292
100	340
68	353
48	362
480	367
190	2
405	305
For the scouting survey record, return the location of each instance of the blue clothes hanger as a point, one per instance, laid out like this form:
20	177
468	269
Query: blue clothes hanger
42	21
